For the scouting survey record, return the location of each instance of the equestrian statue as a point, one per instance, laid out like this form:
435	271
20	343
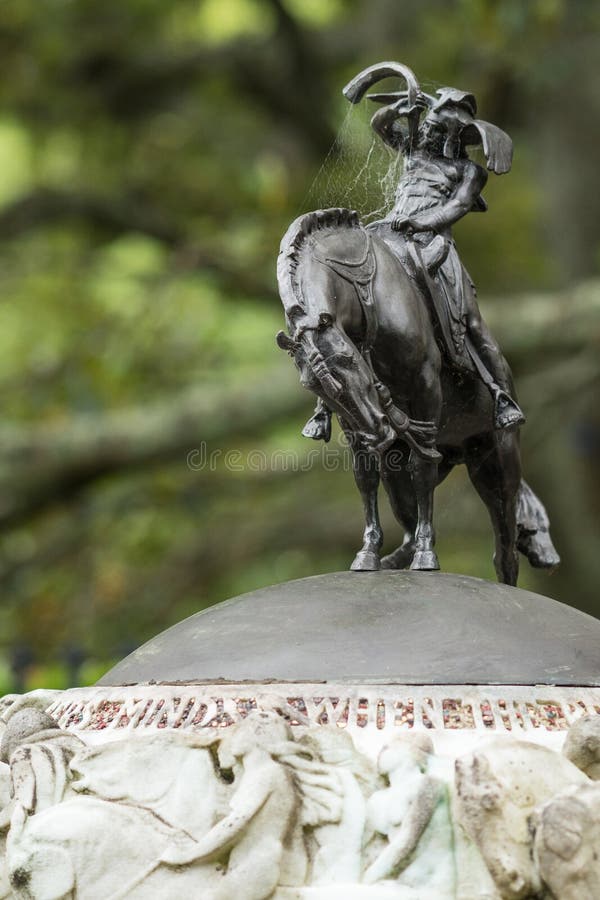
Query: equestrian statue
384	327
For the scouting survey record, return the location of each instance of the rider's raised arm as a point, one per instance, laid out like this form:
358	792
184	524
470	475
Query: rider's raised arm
386	124
458	205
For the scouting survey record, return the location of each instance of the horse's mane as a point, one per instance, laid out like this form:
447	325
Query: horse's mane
293	242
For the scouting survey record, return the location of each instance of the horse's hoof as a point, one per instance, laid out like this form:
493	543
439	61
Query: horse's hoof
425	561
366	561
399	559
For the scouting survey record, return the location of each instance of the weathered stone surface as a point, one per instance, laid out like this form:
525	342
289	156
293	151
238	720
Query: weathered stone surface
403	627
498	789
582	745
567	837
269	809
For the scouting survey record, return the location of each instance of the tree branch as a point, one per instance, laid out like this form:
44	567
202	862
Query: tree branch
42	465
48	206
285	75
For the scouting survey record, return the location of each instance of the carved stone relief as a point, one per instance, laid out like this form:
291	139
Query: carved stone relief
261	808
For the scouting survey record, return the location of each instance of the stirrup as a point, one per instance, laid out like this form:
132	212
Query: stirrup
507	412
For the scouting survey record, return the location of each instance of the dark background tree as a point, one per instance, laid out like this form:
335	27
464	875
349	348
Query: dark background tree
152	155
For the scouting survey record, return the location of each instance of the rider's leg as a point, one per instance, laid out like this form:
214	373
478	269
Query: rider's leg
488	349
507	412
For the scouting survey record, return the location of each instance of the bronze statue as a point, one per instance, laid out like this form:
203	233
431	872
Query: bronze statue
385	329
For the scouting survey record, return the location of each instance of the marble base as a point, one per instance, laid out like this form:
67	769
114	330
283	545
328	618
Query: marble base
301	791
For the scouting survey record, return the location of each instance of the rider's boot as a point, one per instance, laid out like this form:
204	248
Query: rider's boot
493	371
507	412
318	426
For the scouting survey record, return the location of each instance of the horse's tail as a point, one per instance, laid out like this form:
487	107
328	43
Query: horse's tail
533	524
293	242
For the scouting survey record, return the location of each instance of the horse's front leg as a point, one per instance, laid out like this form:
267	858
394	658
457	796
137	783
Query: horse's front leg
424	477
365	466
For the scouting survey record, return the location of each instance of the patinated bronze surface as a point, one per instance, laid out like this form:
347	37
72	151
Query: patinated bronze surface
384	327
438	629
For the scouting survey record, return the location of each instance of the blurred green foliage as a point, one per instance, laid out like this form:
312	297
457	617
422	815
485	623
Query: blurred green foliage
151	156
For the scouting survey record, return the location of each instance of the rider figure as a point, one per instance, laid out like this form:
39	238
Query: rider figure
440	185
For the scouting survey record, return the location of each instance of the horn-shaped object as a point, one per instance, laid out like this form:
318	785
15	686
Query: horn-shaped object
360	84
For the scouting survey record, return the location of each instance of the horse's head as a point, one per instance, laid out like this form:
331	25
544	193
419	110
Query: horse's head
332	367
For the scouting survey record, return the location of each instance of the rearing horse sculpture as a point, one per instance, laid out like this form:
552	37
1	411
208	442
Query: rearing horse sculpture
407	417
385	329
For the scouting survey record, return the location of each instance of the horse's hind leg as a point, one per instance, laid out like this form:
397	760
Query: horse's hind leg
425	406
410	490
366	474
398	484
424	477
404	506
401	557
494	466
